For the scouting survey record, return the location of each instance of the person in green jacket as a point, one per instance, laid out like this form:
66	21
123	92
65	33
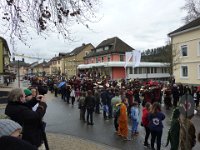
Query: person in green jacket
174	131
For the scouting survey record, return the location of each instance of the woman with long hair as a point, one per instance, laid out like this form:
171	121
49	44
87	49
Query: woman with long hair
155	125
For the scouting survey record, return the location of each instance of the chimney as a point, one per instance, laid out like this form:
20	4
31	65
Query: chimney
22	59
83	44
14	59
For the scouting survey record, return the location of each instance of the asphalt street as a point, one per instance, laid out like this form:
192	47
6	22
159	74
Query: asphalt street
63	118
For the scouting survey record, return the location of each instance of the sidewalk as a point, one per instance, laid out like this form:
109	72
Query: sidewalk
61	141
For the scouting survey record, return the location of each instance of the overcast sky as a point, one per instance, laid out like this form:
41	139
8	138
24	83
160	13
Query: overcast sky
142	24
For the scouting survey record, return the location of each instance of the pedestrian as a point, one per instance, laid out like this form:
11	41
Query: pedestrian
97	101
10	136
155	125
123	120
82	106
135	116
72	95
174	131
90	104
115	102
145	123
19	110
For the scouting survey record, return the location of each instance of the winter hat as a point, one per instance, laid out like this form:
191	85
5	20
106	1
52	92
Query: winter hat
27	92
7	127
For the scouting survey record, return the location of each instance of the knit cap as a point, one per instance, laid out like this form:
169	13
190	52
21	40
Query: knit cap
7	127
27	92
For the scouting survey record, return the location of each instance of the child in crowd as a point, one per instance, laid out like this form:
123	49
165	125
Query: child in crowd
135	115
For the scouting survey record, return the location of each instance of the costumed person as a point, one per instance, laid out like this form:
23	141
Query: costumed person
174	131
155	125
145	123
187	133
123	120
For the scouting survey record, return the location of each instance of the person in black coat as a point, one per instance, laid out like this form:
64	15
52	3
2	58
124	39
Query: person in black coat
20	111
90	104
13	143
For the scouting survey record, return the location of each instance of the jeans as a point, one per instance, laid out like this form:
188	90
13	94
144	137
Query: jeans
90	116
134	126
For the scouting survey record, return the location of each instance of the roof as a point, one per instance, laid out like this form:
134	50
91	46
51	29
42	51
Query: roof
122	64
21	63
115	44
191	25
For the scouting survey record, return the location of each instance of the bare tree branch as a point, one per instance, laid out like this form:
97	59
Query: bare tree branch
44	15
192	7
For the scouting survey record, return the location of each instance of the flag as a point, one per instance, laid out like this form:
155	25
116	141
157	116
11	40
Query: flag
136	58
128	56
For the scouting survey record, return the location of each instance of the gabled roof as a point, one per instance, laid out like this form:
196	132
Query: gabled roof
191	25
115	44
79	49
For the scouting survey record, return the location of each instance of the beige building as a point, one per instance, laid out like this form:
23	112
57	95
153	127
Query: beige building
186	53
75	58
55	66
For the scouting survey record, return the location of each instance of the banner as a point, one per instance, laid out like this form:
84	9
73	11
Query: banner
136	58
128	56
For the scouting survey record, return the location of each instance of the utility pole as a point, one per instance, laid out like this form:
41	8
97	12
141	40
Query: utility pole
18	73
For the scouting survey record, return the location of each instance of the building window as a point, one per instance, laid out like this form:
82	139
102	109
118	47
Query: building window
121	57
184	71
106	48
184	50
198	71
102	59
108	58
131	70
155	70
86	53
135	71
198	49
96	59
151	69
140	70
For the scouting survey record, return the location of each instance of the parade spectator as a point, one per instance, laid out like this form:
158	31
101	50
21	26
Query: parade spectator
155	125
72	95
115	102
110	96
97	101
10	136
104	99
18	110
68	91
167	97
174	131
90	104
82	106
28	94
196	96
123	120
135	116
145	122
176	95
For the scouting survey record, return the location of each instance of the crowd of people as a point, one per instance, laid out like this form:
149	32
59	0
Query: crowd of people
120	101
